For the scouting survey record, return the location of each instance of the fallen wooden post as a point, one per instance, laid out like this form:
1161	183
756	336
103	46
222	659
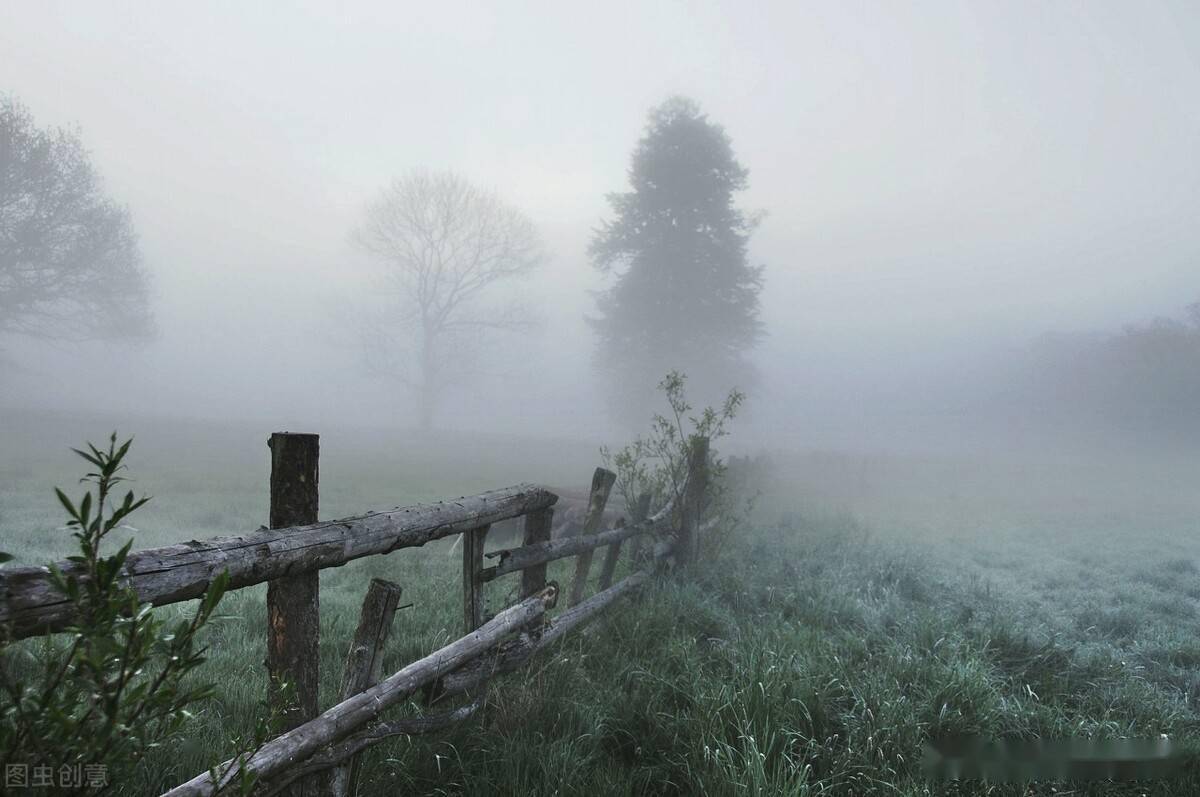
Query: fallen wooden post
602	483
342	720
364	665
31	605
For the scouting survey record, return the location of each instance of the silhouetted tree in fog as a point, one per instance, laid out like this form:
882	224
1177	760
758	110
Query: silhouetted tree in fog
685	296
70	267
443	244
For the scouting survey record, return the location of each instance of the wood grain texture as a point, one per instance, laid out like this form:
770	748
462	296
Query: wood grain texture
364	665
31	605
602	484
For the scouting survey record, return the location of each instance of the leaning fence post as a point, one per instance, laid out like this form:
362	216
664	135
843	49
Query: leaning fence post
364	665
610	563
602	484
473	541
641	511
693	500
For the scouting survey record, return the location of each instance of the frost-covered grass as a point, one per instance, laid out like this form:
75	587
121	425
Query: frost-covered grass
871	605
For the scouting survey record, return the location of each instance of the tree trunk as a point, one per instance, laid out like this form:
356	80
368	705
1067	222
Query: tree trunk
428	392
426	401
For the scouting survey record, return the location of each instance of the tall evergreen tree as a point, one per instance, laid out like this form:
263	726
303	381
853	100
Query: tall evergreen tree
684	296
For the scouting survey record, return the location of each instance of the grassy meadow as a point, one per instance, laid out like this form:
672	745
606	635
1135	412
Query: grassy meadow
871	603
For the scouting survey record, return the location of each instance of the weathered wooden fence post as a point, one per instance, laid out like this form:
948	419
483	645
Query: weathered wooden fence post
293	602
364	665
537	529
641	511
473	541
602	484
693	500
610	563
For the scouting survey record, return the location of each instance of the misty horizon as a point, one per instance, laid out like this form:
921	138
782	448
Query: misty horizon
920	224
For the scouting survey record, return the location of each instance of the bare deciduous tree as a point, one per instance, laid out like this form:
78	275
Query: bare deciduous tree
70	267
443	244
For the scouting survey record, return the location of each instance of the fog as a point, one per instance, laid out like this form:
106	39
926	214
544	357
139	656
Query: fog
943	185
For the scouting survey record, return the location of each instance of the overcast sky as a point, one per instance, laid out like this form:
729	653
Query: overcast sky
938	178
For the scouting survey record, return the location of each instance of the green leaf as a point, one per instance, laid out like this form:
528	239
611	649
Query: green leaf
119	558
123	450
85	508
215	592
66	502
92	458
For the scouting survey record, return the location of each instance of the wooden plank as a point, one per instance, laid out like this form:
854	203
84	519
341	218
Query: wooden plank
473	542
342	720
364	665
293	601
31	604
602	483
514	559
537	530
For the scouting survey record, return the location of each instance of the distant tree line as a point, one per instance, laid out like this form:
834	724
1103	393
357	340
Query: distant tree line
682	294
1144	379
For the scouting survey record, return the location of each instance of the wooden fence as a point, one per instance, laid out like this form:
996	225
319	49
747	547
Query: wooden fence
317	753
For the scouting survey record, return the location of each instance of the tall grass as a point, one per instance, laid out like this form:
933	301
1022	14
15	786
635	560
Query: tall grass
813	657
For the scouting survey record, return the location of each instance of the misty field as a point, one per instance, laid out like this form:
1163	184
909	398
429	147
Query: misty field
872	603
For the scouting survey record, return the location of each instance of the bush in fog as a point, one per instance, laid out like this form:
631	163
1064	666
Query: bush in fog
122	680
657	463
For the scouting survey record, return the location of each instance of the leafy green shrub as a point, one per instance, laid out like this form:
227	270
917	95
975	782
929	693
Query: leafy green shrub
658	463
118	683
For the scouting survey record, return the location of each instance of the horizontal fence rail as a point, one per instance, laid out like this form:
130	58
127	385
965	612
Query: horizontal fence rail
513	560
516	559
31	605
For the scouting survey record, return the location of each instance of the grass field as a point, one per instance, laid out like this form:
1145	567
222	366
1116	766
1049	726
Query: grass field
871	604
